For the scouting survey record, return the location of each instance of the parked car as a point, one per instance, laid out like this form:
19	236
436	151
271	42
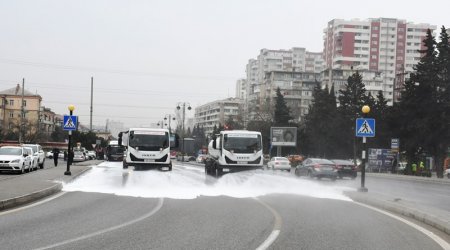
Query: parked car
295	159
281	163
49	154
315	167
447	173
14	159
345	168
79	156
34	158
37	151
91	155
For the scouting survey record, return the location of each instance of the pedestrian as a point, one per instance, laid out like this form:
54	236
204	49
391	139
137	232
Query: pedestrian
55	156
414	168
422	168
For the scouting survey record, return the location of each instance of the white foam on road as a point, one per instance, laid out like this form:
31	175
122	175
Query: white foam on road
186	182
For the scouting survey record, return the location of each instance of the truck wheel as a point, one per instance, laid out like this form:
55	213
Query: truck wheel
125	165
170	167
219	172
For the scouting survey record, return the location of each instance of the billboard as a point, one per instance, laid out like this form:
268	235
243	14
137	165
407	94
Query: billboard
283	136
381	159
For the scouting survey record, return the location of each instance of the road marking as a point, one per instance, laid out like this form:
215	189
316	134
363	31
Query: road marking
445	245
33	204
276	227
106	230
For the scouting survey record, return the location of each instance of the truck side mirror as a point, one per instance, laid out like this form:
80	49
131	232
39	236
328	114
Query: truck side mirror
120	139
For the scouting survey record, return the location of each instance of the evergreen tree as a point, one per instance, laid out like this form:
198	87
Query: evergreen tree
282	112
351	99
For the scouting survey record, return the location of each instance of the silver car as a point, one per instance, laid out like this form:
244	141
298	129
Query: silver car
315	167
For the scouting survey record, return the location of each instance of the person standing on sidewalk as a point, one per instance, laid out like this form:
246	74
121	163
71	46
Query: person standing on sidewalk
414	168
55	156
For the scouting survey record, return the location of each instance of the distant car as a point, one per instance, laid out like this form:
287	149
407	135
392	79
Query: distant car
401	168
201	159
37	151
49	155
447	173
14	159
78	156
295	159
279	163
315	167
91	155
345	168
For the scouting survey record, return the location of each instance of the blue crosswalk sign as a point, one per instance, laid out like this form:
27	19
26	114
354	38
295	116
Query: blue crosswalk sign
70	122
365	127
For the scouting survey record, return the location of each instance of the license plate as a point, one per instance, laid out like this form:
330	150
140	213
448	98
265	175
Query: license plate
326	168
149	160
226	169
241	162
4	164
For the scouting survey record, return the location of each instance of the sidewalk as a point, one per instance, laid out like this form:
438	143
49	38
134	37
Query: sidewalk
433	178
23	189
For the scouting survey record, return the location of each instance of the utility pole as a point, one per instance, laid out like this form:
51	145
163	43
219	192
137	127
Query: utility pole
22	113
92	100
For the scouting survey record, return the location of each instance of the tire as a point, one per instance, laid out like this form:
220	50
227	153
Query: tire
22	170
448	176
170	167
218	172
310	174
297	172
125	165
333	178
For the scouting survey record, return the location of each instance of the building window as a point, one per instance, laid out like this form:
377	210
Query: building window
10	126
11	102
11	114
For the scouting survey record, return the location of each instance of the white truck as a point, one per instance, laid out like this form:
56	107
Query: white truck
233	151
148	148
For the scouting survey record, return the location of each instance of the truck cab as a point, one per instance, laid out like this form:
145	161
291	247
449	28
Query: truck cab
148	148
234	150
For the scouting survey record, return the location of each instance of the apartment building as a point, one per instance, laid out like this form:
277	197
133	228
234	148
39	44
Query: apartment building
296	88
11	113
277	61
47	120
379	46
217	112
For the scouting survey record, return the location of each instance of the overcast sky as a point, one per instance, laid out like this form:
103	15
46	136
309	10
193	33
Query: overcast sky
147	56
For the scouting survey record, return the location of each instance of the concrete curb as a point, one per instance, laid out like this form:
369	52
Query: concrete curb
38	195
392	206
410	178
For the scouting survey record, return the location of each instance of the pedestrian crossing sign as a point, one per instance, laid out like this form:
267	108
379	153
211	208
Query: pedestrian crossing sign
365	127
70	122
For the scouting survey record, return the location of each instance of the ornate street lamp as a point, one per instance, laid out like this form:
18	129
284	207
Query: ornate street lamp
71	109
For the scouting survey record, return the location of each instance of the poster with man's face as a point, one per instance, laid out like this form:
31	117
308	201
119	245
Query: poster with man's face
283	136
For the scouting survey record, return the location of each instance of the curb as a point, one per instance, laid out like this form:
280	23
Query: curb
394	207
38	195
410	178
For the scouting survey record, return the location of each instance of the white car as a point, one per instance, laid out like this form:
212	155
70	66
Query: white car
91	155
37	151
281	163
34	157
78	156
15	159
447	173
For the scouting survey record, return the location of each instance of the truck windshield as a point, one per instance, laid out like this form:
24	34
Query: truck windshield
10	151
147	140
242	143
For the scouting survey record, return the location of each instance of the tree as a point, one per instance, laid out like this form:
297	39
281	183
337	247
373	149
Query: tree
282	112
423	112
231	124
320	129
351	100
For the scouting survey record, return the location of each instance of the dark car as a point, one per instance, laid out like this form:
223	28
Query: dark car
345	168
315	167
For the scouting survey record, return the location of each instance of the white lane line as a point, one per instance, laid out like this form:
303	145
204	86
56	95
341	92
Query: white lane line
106	230
34	204
445	245
276	227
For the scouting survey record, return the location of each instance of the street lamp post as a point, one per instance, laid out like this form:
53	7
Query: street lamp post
71	109
179	106
170	119
365	110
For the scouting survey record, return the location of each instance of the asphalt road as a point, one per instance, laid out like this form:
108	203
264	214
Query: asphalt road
111	208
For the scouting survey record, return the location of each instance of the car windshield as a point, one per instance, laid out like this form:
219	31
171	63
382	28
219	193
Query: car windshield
242	143
10	151
33	147
147	140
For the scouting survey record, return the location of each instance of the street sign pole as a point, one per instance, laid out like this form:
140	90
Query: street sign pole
68	151
365	127
363	169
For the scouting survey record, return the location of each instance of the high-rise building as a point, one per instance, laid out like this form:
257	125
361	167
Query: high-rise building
385	47
263	77
217	112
